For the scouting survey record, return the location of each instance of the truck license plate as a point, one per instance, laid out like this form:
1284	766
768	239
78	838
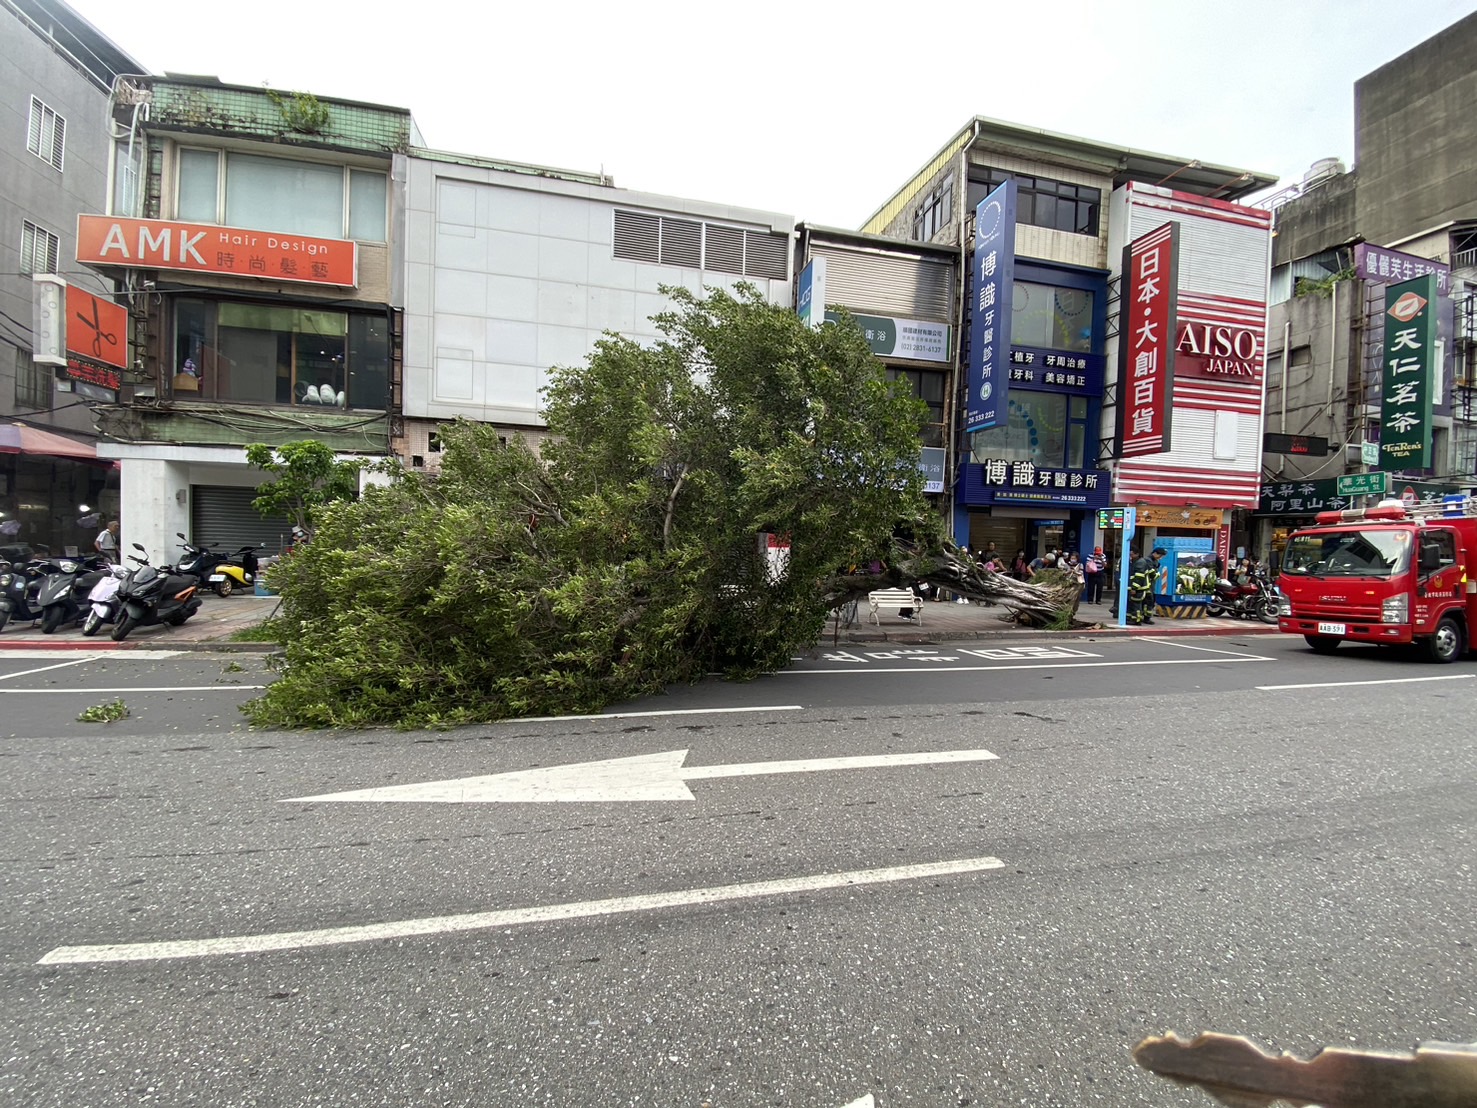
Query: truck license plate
1332	629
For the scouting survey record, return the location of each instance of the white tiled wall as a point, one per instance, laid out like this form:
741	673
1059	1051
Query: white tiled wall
510	274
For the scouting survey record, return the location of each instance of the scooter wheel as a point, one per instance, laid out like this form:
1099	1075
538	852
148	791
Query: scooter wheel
125	624
91	624
4	619
51	619
225	588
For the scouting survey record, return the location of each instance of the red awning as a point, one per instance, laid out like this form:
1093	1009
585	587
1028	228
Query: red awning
17	438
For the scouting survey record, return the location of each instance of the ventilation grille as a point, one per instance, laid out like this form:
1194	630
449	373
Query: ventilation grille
647	237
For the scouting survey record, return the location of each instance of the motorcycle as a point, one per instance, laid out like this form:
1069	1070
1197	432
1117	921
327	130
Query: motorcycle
20	588
103	600
154	594
225	573
65	588
1257	599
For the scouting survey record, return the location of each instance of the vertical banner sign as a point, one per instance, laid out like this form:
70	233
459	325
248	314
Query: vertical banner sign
989	311
1410	348
1146	335
810	301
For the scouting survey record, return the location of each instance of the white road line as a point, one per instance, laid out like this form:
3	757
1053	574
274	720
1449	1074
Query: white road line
1207	649
1357	684
481	921
668	712
136	688
1026	664
47	669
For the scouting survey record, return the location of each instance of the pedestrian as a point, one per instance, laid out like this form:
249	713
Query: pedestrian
1141	576
1020	569
1075	568
1092	571
106	543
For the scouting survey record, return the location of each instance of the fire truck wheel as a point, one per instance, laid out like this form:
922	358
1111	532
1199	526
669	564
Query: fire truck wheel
1321	645
1446	644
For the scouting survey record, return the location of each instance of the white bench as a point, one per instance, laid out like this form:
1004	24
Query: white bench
895	598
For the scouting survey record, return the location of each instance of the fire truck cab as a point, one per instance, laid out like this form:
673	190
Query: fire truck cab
1390	575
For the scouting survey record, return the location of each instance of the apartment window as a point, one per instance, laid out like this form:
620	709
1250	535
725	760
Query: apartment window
935	212
927	385
32	382
276	354
39	249
305	198
46	134
1043	202
667	240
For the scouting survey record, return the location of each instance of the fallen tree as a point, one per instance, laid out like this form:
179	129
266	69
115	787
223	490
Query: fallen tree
626	555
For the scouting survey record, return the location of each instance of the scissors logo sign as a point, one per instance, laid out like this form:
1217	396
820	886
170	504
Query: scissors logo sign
97	329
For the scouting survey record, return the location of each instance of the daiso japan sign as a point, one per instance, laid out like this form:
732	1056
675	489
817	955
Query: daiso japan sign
104	240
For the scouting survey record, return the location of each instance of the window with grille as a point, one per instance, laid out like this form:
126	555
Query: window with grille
647	237
32	382
39	249
46	136
1043	202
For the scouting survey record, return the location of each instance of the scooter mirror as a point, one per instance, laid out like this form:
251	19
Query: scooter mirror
181	536
139	546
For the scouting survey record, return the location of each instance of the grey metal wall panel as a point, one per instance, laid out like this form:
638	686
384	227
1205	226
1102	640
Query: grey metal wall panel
221	516
911	288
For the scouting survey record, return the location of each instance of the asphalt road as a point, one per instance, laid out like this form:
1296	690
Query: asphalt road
1212	834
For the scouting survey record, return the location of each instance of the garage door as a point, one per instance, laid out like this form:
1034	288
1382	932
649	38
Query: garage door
221	517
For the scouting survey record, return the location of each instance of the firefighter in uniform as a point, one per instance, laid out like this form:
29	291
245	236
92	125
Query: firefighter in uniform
1141	576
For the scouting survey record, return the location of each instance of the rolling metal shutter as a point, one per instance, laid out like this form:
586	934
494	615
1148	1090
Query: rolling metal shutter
221	517
871	281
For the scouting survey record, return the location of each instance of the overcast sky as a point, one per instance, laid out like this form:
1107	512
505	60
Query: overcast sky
820	111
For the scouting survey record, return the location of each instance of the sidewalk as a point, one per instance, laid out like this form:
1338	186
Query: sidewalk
210	628
944	620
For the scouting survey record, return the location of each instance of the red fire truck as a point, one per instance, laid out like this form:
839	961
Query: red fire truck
1388	575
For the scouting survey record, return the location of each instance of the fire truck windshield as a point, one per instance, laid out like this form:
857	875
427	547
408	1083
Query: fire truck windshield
1376	552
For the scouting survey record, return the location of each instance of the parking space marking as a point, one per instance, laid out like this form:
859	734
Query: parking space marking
1356	684
1027	665
131	689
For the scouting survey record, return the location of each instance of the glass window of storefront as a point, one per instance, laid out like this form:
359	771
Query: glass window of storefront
279	354
1051	316
306	198
1042	201
1046	428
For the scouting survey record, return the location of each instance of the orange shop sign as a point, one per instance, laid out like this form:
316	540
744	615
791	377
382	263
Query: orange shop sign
104	240
97	329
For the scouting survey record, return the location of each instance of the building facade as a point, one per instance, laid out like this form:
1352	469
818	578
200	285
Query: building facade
1034	472
255	235
1408	207
511	270
54	161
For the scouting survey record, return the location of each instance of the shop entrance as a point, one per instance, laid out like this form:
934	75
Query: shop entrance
1008	535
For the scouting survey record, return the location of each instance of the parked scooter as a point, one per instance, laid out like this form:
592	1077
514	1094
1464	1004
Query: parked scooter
20	591
225	573
154	594
64	589
1257	599
103	602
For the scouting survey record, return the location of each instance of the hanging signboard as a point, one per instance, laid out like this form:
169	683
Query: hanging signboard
810	298
1405	400
916	339
992	291
1146	342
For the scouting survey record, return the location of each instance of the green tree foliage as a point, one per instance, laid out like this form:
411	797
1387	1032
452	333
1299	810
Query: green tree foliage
308	476
627	556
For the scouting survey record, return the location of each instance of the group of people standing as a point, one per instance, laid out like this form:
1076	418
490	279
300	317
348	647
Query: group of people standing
1090	571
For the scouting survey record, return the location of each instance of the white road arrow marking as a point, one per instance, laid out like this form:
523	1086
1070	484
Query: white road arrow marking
644	777
514	917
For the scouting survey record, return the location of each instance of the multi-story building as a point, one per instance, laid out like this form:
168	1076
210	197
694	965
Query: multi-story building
511	270
1032	412
1343	237
54	87
256	236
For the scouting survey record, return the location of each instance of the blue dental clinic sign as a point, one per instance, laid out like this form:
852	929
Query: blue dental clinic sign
993	275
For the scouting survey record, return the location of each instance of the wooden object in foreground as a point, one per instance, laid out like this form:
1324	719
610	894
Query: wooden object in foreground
1237	1072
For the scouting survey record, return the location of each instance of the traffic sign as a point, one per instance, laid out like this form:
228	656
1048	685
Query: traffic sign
1363	484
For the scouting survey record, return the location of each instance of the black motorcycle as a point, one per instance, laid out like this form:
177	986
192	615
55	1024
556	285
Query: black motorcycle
64	589
154	594
1257	599
20	591
225	573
